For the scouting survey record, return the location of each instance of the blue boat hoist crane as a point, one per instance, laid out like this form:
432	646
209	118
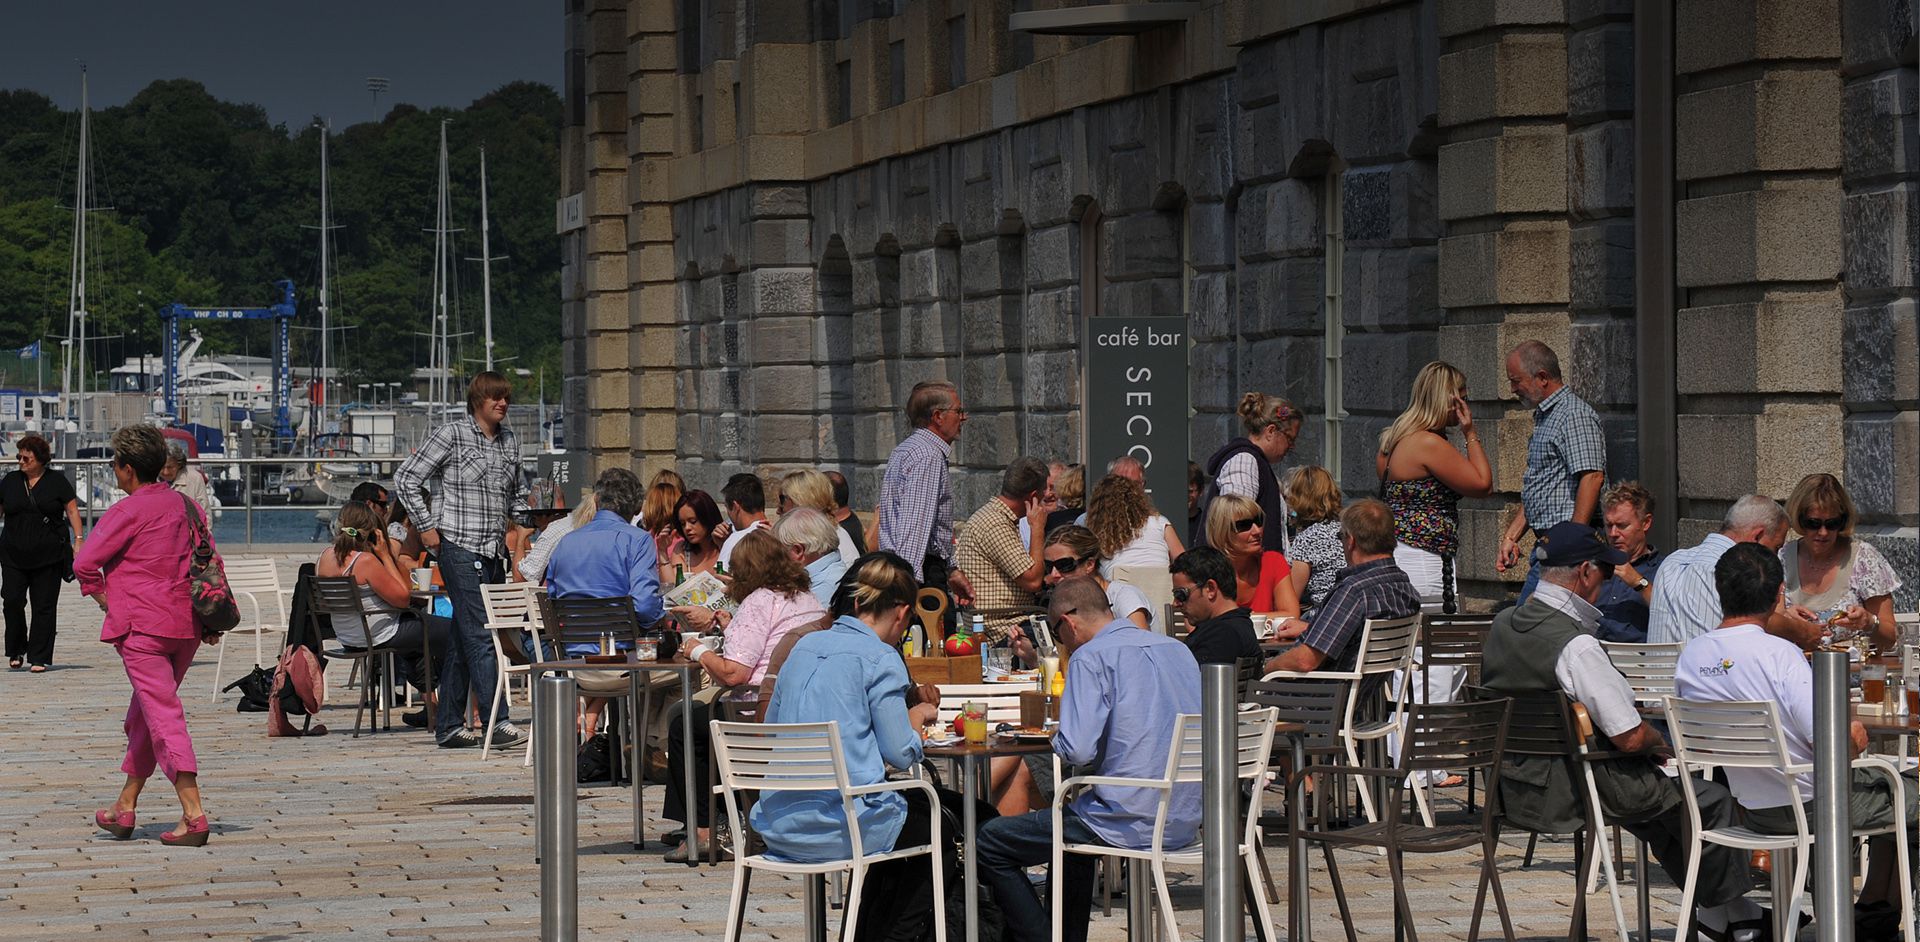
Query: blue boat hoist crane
171	316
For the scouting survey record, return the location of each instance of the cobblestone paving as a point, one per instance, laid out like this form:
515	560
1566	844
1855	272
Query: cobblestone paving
388	837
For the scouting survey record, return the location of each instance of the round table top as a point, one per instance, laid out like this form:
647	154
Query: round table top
994	746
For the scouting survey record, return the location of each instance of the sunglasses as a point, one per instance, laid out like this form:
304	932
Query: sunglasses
1067	565
1244	524
1810	524
1181	594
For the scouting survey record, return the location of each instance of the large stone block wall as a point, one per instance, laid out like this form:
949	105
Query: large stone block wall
760	293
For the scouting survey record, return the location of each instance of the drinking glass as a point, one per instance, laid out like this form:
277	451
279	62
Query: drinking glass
1873	684
999	661
974	721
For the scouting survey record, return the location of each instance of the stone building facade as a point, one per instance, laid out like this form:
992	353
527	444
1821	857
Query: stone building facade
789	211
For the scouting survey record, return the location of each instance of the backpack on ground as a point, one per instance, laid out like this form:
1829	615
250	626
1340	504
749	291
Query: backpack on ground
299	689
254	689
299	676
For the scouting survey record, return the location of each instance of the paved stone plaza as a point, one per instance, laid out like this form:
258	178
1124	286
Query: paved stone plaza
388	837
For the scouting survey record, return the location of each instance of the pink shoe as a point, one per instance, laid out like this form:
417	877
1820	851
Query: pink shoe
194	836
119	824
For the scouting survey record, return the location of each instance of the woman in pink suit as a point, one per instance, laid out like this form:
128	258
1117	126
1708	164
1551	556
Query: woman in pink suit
135	567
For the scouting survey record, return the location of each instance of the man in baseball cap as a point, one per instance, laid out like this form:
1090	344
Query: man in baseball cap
1547	643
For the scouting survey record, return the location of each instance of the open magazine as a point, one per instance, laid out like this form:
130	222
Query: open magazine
703	589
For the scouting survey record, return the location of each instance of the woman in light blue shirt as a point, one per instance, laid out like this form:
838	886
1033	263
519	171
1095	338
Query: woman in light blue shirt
852	672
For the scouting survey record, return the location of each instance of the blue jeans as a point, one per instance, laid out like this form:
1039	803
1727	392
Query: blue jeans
469	660
1009	845
1533	575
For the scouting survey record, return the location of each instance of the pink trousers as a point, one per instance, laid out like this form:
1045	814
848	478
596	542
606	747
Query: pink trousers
156	724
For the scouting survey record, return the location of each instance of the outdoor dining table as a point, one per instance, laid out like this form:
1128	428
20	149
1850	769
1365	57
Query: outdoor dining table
972	759
636	668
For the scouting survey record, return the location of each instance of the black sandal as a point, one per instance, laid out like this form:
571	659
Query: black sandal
15	663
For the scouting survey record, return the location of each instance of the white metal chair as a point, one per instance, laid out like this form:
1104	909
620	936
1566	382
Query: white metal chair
1002	700
1648	669
1386	646
256	579
1253	749
1747	735
777	757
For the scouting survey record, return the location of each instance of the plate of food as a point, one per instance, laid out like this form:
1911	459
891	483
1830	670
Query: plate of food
1014	677
1031	734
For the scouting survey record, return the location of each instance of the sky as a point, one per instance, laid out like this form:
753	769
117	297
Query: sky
296	58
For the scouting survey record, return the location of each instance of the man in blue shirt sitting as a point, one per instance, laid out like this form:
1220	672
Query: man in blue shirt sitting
1627	509
608	557
1161	680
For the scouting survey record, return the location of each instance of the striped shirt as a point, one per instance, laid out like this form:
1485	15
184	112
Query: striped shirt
480	483
916	501
1566	443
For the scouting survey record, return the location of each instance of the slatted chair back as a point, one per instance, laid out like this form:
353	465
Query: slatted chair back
1454	640
1317	705
1247	673
587	620
1455	736
1002	700
259	578
507	603
1648	668
1176	622
1541	723
335	595
1387	645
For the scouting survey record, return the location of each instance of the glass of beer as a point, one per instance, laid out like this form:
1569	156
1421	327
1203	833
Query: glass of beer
1873	683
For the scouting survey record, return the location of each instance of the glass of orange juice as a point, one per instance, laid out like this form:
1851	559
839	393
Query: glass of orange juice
973	716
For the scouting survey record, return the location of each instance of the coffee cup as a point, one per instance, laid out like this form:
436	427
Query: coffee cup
422	580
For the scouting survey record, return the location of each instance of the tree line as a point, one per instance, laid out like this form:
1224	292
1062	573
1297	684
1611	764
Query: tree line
206	202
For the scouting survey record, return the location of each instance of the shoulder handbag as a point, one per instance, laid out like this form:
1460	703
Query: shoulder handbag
214	610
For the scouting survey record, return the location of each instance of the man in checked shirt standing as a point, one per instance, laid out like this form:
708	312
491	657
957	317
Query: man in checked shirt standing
478	463
916	500
1566	457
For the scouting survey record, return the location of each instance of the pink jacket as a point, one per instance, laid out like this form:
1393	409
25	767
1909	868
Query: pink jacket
138	555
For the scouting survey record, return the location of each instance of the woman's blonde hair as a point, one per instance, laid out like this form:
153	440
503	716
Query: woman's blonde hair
1429	407
354	529
669	476
1071	487
584	512
1259	410
1221	514
1820	490
1116	511
1312	495
760	562
808	488
657	510
874	583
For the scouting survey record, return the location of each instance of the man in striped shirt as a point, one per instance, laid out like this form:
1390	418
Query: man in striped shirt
916	499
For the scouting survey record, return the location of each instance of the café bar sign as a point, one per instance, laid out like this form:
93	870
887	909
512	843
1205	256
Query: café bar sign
1136	403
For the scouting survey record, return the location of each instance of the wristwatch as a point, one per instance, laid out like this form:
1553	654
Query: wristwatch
1641	586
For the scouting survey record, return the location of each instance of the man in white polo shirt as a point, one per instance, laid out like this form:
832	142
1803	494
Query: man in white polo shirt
1740	661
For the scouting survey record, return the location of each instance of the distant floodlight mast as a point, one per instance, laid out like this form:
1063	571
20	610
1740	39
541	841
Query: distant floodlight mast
376	85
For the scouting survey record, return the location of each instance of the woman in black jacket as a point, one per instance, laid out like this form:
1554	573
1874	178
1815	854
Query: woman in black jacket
36	551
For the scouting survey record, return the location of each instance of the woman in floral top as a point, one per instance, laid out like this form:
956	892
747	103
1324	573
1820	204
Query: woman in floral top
1315	557
1829	571
1423	476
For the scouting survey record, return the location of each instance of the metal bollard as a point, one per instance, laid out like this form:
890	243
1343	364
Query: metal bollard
1220	803
1833	829
556	797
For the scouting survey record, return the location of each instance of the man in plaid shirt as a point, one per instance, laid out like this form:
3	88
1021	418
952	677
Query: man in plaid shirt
916	501
478	463
1566	457
1370	586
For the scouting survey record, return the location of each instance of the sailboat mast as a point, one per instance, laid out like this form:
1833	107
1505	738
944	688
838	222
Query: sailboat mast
320	418
442	260
486	264
76	362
